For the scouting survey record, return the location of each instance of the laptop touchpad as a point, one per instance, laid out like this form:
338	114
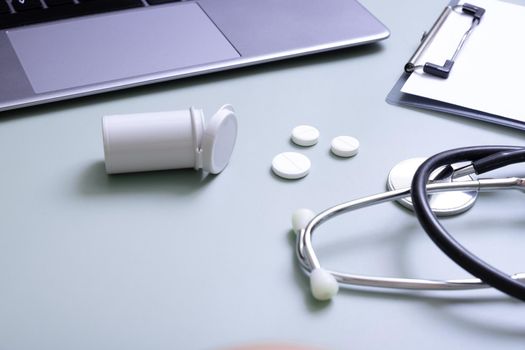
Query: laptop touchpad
115	46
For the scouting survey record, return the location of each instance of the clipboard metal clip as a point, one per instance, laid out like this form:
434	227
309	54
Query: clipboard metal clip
444	70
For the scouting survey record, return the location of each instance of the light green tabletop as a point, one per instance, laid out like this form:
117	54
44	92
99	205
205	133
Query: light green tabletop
175	260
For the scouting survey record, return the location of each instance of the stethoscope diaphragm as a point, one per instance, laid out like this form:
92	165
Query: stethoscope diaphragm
444	203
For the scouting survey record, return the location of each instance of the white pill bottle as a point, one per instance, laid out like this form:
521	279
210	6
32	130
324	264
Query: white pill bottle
169	140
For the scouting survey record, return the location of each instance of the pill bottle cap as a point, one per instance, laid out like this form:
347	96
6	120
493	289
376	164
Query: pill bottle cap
218	140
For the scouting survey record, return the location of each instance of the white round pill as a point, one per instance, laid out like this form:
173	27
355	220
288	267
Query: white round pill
305	135
345	146
291	165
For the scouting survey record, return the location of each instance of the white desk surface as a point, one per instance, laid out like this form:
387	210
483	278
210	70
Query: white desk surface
167	260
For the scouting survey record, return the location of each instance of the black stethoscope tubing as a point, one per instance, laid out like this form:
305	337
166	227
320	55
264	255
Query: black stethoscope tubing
483	158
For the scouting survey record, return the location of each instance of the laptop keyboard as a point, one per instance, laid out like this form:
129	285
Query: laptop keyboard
14	13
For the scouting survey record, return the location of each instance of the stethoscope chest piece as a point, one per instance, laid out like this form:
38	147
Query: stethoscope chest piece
444	203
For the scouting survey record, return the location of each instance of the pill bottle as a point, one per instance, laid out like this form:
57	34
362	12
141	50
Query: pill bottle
169	140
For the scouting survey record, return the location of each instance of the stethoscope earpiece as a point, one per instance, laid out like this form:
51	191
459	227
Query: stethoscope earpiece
301	218
323	284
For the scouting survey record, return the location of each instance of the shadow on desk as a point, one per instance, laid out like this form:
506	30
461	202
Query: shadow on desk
95	182
460	308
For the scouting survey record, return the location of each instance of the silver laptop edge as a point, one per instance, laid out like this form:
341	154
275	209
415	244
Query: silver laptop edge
189	71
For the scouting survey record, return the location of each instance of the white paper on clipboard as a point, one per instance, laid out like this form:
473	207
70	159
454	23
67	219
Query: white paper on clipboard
489	73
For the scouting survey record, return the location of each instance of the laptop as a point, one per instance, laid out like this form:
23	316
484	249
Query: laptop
53	50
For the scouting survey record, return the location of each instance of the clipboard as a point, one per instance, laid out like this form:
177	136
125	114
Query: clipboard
400	98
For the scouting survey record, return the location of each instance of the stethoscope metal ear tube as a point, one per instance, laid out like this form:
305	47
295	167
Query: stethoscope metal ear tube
309	261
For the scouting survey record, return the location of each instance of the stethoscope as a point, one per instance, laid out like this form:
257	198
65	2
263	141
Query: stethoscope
325	283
